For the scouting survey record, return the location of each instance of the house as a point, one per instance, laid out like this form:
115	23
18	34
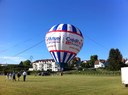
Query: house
30	69
85	61
99	64
4	64
126	61
45	64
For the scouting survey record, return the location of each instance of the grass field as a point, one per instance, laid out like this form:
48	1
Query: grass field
64	85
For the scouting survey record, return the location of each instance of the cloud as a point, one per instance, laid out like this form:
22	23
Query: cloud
11	60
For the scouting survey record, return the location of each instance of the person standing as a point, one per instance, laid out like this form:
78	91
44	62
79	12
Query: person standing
10	76
7	76
24	76
14	76
18	75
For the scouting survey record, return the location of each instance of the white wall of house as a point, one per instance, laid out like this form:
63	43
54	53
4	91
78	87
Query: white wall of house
126	62
99	65
45	65
30	69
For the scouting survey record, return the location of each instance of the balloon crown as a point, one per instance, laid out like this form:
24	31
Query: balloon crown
66	28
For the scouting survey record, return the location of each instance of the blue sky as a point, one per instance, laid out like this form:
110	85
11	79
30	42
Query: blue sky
24	23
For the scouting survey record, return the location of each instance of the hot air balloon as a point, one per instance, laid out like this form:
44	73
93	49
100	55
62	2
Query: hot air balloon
64	41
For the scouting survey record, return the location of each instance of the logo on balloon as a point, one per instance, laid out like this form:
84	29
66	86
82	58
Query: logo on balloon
73	41
67	40
53	39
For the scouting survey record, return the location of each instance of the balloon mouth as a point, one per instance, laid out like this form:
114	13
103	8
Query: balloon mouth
62	66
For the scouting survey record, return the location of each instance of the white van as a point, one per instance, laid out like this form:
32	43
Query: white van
124	76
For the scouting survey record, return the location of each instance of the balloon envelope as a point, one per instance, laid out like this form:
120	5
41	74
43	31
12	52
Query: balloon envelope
64	41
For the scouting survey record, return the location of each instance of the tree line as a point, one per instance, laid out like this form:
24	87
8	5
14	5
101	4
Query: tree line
23	65
114	63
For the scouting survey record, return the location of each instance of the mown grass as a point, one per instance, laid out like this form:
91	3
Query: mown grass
64	85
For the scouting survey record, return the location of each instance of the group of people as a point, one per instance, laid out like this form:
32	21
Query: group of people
12	76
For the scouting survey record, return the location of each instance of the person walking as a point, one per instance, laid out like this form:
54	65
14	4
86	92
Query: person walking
24	76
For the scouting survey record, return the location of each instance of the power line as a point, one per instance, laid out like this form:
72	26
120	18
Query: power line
96	42
5	50
53	34
24	49
43	41
31	47
28	48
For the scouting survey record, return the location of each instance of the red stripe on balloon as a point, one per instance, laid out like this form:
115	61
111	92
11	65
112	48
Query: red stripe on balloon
65	31
62	51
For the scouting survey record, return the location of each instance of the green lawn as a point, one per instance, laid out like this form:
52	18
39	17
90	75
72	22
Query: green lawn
64	85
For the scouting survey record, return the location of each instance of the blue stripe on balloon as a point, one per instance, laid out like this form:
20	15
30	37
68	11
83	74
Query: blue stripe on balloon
64	57
69	57
64	27
58	56
80	33
54	56
73	29
55	28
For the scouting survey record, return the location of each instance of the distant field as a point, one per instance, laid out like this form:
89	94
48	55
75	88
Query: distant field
64	85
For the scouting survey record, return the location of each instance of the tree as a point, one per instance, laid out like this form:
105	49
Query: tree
85	65
74	63
27	63
115	59
93	58
21	63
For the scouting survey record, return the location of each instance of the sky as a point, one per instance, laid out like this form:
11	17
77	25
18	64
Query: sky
24	24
